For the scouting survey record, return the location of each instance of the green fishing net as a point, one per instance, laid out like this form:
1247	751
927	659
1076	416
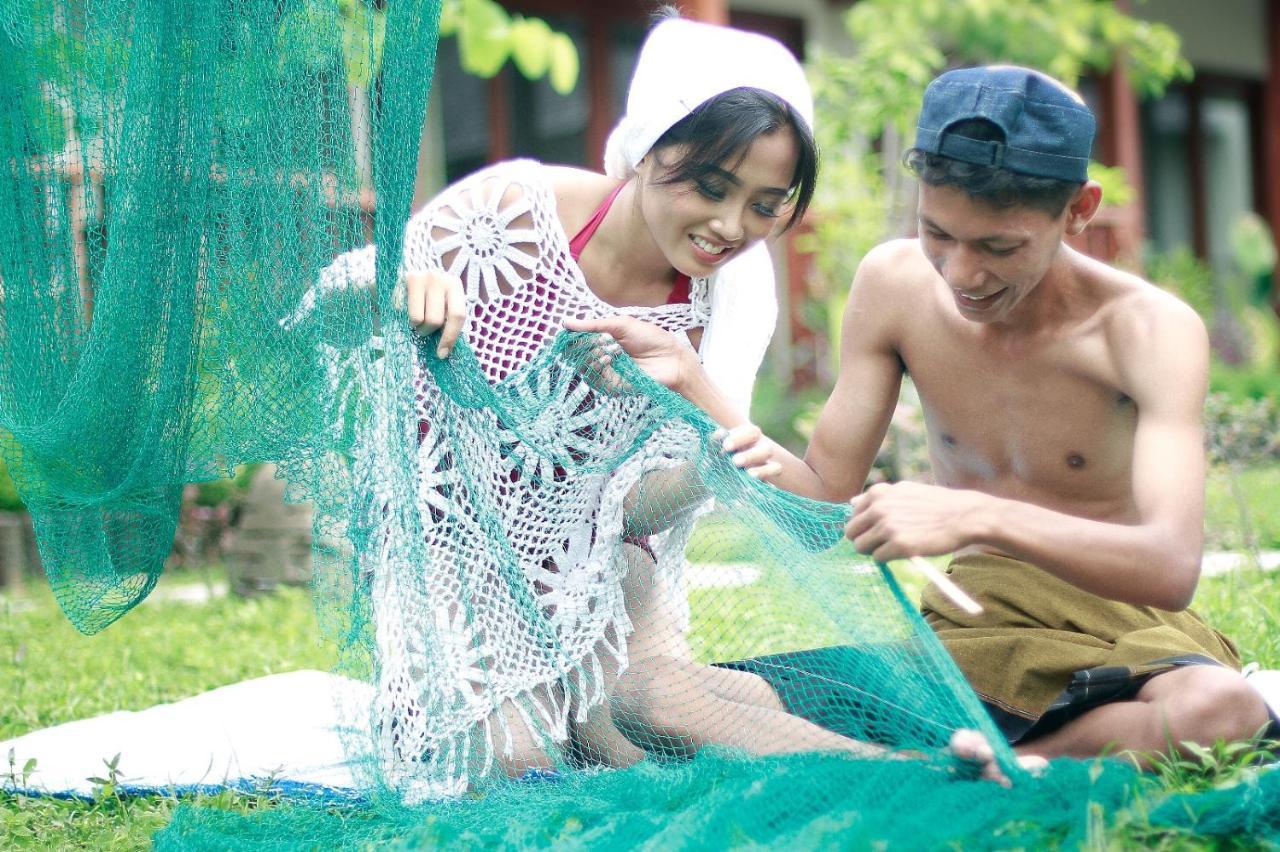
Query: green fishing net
575	623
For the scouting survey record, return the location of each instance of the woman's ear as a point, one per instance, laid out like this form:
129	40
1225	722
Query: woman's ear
644	167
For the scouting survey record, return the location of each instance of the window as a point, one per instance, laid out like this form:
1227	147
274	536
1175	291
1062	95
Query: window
1200	155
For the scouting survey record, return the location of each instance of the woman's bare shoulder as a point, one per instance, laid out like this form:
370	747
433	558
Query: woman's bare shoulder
578	193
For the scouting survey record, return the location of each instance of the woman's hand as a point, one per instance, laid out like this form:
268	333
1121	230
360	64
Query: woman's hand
752	450
437	302
659	353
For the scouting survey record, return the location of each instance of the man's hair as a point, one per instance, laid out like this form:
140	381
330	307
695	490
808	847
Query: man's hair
719	131
993	185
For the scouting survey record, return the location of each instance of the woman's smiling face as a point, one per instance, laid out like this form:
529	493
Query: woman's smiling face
699	224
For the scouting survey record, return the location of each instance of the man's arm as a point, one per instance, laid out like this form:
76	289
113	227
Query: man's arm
856	417
853	420
1161	355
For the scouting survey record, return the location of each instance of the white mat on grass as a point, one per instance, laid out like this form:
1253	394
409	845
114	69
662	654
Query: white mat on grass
292	729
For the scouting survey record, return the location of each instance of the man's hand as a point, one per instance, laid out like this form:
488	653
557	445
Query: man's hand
752	451
911	519
437	301
659	353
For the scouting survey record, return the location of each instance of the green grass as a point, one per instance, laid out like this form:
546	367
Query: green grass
167	650
1250	504
161	651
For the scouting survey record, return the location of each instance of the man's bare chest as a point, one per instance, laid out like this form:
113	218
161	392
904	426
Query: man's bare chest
1051	425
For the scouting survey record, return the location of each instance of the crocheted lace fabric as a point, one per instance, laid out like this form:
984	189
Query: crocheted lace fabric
455	636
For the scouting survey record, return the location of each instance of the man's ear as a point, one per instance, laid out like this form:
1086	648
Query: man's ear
1083	206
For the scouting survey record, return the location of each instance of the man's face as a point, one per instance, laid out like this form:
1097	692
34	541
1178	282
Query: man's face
991	258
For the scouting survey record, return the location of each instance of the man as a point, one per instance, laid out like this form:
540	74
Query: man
1063	402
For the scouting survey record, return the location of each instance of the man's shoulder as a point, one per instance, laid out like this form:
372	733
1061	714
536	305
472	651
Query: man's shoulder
1147	328
896	255
1135	309
897	263
893	283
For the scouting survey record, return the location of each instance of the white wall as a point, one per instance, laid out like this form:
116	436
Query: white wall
1224	36
823	20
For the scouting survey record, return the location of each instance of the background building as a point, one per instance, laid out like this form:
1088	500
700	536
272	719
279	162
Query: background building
1201	155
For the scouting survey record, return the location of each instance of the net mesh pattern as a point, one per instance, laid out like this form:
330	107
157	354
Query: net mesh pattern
579	623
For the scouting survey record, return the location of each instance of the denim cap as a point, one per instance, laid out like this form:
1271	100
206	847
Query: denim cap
1047	131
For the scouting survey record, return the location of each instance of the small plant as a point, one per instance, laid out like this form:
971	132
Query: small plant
1218	765
108	787
18	778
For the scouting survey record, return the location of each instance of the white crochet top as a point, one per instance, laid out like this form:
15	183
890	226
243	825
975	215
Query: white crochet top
453	642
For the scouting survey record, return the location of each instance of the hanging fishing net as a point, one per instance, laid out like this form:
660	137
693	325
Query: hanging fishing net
572	621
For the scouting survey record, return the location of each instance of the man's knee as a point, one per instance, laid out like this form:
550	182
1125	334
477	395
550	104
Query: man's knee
1210	704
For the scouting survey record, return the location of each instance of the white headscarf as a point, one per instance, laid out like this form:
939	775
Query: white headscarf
682	65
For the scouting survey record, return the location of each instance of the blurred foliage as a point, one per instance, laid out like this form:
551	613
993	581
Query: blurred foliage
1242	431
488	36
867	102
226	491
786	413
904	453
1252	247
9	500
1186	276
1239	332
1233	304
1254	381
1116	189
1242	509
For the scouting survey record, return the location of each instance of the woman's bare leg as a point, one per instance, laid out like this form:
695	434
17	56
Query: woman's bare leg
530	747
668	703
742	688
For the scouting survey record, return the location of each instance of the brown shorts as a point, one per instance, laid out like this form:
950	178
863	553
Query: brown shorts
1043	651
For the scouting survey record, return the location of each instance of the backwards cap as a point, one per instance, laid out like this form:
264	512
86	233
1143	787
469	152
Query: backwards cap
1048	131
684	64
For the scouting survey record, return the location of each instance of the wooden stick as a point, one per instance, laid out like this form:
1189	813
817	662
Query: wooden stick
945	585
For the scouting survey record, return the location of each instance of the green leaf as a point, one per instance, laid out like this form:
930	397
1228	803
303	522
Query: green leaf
531	46
564	64
484	37
1116	189
450	18
363	34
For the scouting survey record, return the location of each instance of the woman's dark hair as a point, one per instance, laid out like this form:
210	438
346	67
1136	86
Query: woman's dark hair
993	185
721	129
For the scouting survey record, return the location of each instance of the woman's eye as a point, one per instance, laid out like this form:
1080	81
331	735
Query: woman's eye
768	210
710	190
